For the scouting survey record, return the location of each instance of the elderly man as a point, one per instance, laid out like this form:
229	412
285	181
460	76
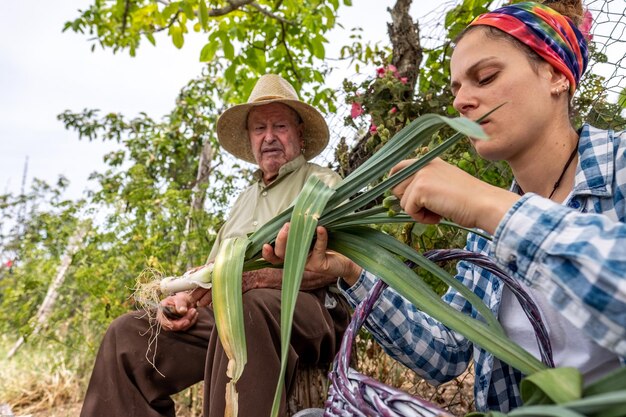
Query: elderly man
280	133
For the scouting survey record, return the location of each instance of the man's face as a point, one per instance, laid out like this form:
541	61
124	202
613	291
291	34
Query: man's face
275	137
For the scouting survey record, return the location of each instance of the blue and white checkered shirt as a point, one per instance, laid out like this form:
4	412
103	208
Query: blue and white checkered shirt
574	253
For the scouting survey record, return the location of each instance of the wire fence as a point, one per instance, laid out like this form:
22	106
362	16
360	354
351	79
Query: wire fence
609	39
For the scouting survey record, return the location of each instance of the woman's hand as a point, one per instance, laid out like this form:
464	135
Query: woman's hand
320	260
440	190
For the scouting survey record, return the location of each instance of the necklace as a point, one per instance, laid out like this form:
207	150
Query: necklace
558	182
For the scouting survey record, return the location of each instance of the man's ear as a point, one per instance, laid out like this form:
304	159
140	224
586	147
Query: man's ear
301	133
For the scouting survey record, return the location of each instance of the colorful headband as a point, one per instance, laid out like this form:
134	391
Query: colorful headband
550	34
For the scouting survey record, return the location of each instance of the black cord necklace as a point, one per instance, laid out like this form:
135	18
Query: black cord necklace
558	182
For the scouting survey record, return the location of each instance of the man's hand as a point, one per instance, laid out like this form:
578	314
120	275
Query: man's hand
185	306
324	263
440	190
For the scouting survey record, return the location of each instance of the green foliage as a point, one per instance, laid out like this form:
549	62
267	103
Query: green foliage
139	211
360	52
42	223
434	80
245	39
591	105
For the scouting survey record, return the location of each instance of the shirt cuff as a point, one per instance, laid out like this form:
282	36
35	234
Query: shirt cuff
361	288
522	232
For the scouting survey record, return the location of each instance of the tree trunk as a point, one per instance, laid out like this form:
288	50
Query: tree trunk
197	200
310	390
75	243
405	41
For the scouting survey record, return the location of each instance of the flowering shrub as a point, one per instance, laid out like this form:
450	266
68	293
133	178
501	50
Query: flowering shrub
585	25
384	102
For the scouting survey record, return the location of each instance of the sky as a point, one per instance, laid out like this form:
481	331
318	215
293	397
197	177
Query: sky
44	72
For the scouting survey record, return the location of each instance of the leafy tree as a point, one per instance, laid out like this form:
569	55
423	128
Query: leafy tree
155	207
246	38
40	223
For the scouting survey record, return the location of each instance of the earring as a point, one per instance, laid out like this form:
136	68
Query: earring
560	89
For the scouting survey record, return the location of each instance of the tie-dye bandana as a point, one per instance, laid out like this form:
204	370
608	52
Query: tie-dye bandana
550	34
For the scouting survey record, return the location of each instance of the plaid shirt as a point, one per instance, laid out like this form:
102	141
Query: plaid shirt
578	260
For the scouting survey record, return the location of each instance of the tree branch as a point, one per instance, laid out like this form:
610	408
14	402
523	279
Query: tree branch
233	5
172	20
282	40
270	14
125	17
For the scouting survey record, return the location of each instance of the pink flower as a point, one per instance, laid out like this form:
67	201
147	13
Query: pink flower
404	80
393	110
356	110
373	128
392	68
380	72
585	25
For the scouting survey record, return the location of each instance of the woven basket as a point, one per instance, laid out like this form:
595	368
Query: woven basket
353	394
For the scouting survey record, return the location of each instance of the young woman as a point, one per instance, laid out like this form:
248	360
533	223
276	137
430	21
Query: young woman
560	229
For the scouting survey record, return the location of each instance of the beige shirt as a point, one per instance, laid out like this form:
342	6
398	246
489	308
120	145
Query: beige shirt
259	203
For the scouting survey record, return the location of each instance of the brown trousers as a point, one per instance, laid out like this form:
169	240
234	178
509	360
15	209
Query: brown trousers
125	384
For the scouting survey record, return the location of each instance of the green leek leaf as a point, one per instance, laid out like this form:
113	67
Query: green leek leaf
394	272
552	386
304	218
228	312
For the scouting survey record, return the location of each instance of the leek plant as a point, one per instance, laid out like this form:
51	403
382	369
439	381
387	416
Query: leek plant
340	211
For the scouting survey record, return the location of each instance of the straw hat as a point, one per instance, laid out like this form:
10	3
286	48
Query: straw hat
270	88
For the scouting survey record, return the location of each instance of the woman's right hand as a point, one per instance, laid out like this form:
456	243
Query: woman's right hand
320	259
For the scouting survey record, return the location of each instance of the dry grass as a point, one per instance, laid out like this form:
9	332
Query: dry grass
456	396
42	384
38	382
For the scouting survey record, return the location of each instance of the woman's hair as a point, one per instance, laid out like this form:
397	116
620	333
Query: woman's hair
569	8
572	9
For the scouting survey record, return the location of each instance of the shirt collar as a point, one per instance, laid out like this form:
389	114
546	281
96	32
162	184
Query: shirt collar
595	163
594	173
286	169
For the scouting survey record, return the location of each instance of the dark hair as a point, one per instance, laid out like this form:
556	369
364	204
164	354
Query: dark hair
569	8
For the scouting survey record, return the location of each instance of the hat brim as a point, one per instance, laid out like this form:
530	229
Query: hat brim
233	137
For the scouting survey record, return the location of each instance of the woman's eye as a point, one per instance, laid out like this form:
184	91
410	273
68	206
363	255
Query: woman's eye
487	79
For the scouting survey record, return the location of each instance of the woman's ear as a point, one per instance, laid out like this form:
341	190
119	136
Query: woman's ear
559	83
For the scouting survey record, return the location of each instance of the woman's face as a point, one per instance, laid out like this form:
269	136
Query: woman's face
487	72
